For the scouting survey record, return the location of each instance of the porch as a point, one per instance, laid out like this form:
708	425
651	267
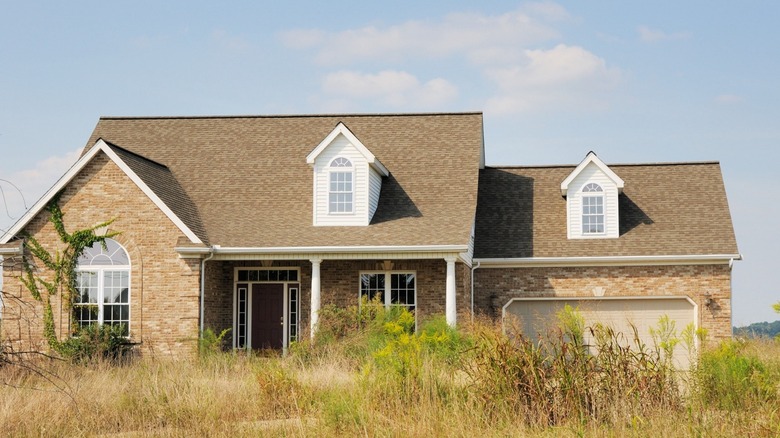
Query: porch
267	304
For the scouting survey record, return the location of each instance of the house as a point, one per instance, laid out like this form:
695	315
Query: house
253	223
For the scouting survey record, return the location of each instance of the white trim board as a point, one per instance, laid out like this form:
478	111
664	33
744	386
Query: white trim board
342	129
100	146
591	158
701	259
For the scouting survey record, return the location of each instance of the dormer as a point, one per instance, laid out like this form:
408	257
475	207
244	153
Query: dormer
591	193
347	180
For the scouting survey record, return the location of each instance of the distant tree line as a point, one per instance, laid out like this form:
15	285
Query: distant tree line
759	329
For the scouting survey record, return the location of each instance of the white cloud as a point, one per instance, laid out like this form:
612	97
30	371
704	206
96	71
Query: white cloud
456	33
33	183
650	35
565	76
510	52
389	87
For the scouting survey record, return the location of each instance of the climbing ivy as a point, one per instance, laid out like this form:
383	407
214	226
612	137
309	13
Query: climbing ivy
61	263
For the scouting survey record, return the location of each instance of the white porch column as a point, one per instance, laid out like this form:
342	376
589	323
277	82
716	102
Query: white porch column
315	294
450	308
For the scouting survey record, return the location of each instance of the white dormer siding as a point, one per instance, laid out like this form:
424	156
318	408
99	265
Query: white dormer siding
374	188
593	180
366	180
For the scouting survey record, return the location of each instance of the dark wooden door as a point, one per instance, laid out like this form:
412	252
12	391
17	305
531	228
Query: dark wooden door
267	314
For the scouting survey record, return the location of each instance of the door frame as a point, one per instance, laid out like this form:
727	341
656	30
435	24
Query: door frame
288	286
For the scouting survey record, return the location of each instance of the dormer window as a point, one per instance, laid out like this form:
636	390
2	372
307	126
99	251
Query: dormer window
341	187
347	180
592	209
591	191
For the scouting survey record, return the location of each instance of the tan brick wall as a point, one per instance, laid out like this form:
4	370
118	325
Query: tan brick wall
339	281
495	287
164	288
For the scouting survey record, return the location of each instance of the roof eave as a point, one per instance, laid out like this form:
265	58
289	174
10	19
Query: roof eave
687	259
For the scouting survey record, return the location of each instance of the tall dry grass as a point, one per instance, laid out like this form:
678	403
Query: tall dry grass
369	375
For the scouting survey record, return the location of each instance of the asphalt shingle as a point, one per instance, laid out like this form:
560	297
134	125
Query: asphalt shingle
665	209
244	181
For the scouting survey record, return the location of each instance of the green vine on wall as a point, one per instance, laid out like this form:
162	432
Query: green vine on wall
61	264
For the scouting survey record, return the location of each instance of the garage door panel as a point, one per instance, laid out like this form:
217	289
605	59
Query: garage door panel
538	317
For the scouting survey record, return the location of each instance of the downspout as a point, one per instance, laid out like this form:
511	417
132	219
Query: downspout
473	268
203	289
731	290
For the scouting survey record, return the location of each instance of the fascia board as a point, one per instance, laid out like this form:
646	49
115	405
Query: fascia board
340	249
702	259
342	129
99	146
591	158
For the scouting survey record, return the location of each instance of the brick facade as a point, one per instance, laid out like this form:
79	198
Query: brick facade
165	306
494	287
164	288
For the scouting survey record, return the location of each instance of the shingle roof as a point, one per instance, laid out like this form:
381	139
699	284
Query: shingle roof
160	179
665	209
249	184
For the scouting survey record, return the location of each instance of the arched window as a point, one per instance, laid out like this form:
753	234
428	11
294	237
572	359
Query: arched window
592	209
340	187
103	285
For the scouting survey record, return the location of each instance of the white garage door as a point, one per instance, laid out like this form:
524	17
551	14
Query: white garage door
538	316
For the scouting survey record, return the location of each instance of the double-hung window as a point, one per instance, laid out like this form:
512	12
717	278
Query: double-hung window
103	286
389	288
341	186
592	209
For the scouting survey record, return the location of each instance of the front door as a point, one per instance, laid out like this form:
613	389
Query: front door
267	316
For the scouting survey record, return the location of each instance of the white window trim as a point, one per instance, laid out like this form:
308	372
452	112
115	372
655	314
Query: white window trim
388	289
603	215
99	270
352	171
601	194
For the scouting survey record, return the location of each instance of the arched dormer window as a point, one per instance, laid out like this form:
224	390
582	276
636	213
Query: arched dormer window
592	209
103	285
341	186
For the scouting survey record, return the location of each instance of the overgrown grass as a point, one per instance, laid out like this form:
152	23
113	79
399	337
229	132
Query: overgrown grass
369	373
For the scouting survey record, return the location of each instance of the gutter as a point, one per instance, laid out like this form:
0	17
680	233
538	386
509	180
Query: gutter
696	259
324	249
203	290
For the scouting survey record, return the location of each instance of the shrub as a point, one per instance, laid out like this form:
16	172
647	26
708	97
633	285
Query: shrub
96	343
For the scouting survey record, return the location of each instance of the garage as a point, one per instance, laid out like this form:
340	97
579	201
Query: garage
537	316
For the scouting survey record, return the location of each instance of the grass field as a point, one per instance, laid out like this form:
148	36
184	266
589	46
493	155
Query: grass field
366	375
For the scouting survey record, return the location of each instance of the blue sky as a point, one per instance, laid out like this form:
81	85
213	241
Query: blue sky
635	82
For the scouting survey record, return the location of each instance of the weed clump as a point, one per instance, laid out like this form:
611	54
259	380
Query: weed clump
730	377
557	379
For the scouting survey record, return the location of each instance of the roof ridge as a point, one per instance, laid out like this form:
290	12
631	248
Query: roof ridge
558	166
290	116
